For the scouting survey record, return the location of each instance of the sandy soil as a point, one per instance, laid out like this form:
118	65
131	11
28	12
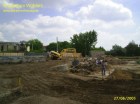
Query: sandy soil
40	85
129	66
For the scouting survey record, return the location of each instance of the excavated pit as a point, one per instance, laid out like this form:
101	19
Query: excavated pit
41	85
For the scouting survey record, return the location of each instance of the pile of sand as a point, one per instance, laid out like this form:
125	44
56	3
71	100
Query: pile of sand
42	99
121	75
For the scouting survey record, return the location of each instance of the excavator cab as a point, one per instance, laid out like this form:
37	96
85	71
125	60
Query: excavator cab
55	55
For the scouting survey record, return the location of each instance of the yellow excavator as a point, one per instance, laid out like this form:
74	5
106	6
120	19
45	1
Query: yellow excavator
68	52
55	55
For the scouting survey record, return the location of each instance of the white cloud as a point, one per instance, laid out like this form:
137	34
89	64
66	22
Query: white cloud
103	14
45	28
1	37
2	2
5	2
111	20
106	10
108	40
135	36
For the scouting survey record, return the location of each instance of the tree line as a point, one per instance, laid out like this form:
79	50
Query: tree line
35	45
83	42
132	49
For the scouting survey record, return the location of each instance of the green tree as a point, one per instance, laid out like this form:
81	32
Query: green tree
138	50
35	45
132	49
61	45
52	47
117	51
84	42
99	48
64	44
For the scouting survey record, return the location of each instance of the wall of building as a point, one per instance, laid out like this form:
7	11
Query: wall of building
9	46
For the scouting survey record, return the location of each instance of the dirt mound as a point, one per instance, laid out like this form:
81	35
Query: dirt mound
115	61
121	75
42	99
60	68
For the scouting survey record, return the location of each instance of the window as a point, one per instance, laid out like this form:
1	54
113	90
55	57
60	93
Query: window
2	48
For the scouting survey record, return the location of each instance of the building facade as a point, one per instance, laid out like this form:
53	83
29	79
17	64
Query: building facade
9	46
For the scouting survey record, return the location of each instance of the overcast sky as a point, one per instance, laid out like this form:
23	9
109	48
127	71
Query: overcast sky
115	21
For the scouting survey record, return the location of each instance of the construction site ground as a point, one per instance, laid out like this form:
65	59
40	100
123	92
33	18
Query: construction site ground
38	83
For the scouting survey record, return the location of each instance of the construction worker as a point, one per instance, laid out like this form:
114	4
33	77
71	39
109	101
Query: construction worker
97	61
103	65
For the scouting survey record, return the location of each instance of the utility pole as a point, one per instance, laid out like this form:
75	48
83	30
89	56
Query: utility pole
32	47
57	43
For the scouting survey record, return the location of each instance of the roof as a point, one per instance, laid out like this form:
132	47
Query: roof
9	42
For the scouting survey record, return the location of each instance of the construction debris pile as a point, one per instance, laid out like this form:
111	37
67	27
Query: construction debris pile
87	66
